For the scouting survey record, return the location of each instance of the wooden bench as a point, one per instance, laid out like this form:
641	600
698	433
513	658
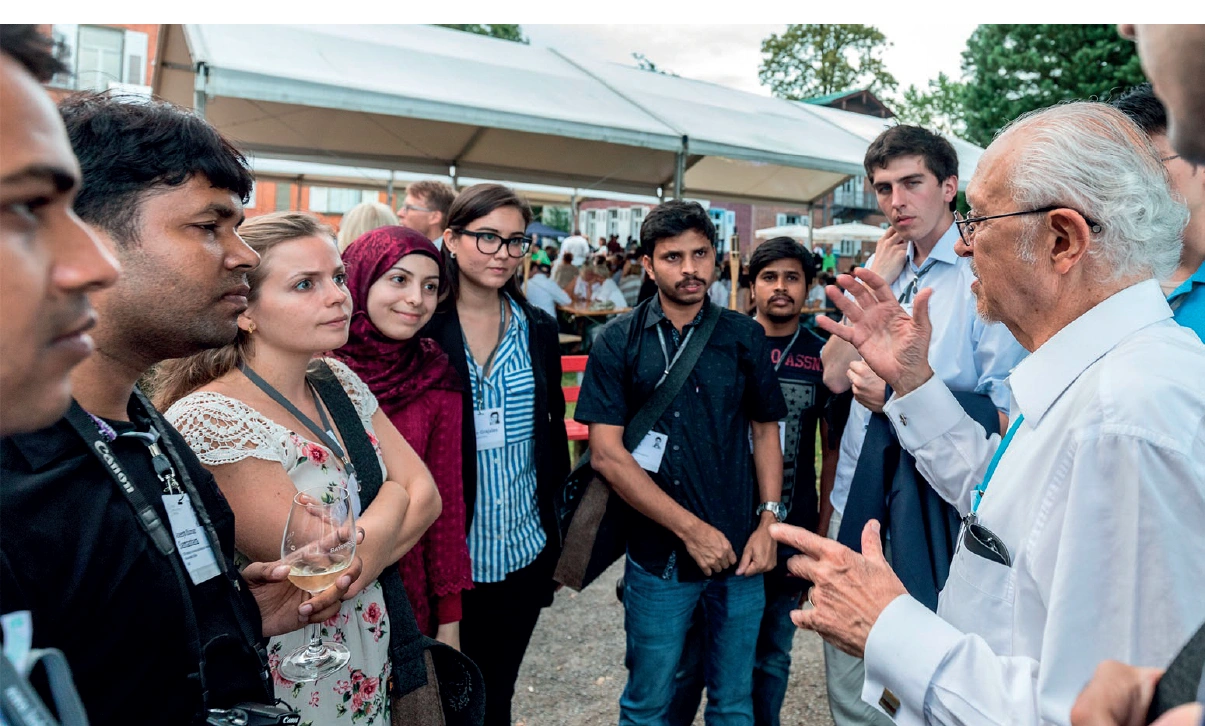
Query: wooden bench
574	364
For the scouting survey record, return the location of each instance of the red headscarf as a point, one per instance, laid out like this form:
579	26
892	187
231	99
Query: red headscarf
397	371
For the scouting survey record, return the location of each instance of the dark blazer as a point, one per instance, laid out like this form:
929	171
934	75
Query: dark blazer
551	441
887	487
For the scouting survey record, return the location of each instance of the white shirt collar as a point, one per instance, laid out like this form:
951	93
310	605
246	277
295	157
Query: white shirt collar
943	251
1039	380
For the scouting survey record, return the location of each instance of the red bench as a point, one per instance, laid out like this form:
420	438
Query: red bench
574	364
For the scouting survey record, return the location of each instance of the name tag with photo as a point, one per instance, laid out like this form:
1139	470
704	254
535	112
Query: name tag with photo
651	451
490	425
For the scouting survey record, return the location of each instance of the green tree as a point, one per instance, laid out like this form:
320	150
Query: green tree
644	64
1012	69
556	217
810	60
503	31
938	108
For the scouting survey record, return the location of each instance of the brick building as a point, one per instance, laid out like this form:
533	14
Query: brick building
125	58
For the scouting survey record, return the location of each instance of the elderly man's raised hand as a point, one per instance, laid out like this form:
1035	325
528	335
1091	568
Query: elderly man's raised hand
894	344
849	590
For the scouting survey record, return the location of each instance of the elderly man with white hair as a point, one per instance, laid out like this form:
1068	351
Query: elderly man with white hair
1083	535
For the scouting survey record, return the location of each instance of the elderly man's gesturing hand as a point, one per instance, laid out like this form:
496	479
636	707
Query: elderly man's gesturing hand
850	590
894	344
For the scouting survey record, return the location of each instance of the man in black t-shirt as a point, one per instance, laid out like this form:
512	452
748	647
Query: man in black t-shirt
141	625
781	271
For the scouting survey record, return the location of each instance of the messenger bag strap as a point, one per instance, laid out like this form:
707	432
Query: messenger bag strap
652	411
405	634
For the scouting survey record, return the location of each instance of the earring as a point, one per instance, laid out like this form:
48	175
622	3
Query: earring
453	255
251	328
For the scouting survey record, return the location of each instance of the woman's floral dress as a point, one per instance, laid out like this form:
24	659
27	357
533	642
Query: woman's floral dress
223	430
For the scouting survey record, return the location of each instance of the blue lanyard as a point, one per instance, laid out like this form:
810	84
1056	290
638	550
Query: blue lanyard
991	468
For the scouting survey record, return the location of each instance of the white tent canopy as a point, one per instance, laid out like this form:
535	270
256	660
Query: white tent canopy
850	230
799	232
427	100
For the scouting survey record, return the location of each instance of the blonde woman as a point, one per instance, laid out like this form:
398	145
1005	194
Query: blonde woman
230	406
364	217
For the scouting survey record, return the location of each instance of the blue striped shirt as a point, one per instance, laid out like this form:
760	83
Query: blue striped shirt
506	534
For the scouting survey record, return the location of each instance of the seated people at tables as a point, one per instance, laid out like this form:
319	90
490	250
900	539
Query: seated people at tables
394	276
543	293
249	413
564	274
595	285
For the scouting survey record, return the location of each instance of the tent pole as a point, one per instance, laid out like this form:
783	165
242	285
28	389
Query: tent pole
200	80
389	190
680	170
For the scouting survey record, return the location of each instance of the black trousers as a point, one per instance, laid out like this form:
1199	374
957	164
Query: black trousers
497	619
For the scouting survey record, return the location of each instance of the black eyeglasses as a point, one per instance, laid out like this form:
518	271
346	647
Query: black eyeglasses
966	225
488	243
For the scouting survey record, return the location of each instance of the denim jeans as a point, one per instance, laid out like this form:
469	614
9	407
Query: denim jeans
770	672
658	615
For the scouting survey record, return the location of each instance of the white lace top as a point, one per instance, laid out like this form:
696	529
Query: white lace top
223	430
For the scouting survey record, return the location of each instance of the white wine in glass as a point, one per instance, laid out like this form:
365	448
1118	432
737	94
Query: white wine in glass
319	544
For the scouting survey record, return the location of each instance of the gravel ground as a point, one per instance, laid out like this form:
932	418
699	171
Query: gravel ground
573	673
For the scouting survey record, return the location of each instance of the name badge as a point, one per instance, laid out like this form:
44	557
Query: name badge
191	542
782	437
651	450
18	637
490	425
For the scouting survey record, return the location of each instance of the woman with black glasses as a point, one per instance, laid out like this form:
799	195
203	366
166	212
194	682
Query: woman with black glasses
515	451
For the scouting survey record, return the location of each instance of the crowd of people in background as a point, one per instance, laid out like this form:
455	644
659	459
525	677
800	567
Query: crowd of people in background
975	466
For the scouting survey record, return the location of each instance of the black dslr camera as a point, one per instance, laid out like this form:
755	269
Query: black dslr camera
253	714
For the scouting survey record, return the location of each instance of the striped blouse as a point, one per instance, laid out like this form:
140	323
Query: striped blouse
506	535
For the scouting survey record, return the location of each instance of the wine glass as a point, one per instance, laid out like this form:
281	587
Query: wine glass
319	544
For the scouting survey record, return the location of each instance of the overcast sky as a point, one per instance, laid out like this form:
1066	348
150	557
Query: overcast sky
729	54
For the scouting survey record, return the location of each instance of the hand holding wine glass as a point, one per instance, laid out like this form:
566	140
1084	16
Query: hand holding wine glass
319	544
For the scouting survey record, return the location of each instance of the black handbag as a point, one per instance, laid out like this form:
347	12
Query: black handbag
591	517
432	683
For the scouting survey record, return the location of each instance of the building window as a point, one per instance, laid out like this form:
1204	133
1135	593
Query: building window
284	196
637	220
787	219
335	200
99	58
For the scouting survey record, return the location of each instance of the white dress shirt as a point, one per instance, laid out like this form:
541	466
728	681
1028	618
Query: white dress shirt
1100	499
605	291
965	352
543	293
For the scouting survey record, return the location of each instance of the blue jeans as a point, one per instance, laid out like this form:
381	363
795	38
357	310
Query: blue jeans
658	615
770	673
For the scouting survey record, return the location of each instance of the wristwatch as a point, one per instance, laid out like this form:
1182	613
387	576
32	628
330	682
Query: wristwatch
775	508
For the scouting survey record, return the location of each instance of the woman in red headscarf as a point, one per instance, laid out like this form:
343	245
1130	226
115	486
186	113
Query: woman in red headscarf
393	274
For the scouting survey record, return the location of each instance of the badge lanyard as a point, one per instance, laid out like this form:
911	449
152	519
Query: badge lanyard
669	364
977	496
910	291
325	435
787	349
99	435
489	362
